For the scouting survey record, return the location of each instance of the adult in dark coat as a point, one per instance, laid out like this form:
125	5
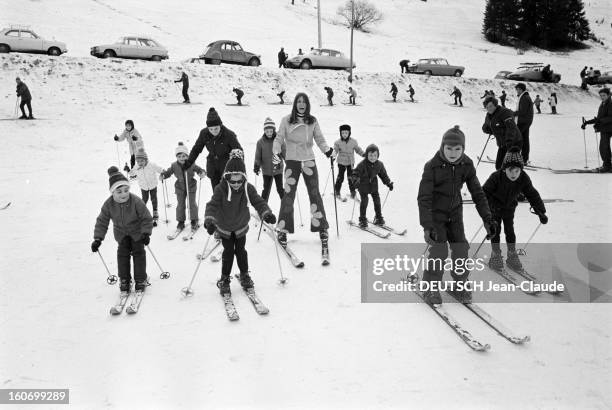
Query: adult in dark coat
499	121
185	80
404	65
502	98
26	99
524	114
219	141
239	95
457	93
282	57
603	124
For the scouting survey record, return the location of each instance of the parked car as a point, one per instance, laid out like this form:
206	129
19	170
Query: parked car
23	39
435	66
138	47
532	72
502	74
229	52
600	78
320	58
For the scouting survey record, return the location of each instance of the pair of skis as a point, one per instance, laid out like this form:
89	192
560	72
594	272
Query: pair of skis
232	312
134	305
295	261
187	237
375	231
546	201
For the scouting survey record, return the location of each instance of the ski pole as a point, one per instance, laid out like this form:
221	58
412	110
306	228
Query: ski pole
331	162
164	274
326	182
585	148
255	182
483	150
188	291
480	246
199	191
118	158
476	234
385	201
261	222
111	279
596	150
17	107
353	211
188	207
164	196
297	197
414	276
522	251
168	204
283	279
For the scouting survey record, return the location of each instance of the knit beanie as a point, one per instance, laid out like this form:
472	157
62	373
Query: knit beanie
453	136
268	123
116	179
345	127
212	118
181	149
129	122
235	164
513	158
371	148
141	154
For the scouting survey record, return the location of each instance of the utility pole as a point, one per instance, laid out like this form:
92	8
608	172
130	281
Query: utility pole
319	21
352	24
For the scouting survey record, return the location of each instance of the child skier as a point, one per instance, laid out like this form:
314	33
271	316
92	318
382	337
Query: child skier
537	103
239	93
132	226
345	149
263	161
352	95
227	212
146	174
411	91
393	91
180	187
330	95
502	189
132	136
365	179
185	80
552	101
441	210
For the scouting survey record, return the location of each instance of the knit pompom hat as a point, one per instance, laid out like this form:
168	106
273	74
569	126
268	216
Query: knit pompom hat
141	154
453	136
116	179
513	158
269	123
212	118
181	149
235	165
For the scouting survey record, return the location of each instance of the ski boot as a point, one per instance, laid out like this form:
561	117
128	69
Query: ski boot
512	260
363	222
155	218
180	225
496	261
224	285
353	194
194	224
432	297
282	238
379	220
462	295
142	284
125	285
604	169
245	281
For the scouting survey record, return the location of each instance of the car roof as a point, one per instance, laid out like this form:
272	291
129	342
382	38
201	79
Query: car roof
224	41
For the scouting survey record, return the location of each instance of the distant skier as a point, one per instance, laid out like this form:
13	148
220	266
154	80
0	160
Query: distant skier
365	179
239	94
185	80
411	92
524	117
181	185
457	93
227	213
404	66
603	124
502	98
352	95
345	148
263	161
147	175
330	95
537	103
552	101
583	78
499	121
282	57
502	188
26	99
132	136
300	52
393	92
132	227
441	211
281	95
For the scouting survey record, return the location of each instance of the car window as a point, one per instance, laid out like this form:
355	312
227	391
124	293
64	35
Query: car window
27	34
147	42
226	46
325	53
237	47
13	33
443	61
423	61
207	49
132	42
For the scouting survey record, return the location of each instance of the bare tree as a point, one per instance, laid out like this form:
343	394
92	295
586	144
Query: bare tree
365	14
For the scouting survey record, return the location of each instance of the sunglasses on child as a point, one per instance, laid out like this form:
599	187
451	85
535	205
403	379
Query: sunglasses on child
235	179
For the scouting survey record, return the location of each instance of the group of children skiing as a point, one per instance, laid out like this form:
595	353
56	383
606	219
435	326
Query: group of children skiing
227	215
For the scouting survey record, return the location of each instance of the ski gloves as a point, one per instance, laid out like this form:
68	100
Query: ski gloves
390	186
146	238
431	237
256	170
95	245
491	227
269	217
543	219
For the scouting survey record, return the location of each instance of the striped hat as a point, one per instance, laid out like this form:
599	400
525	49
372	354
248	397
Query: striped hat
116	179
268	123
141	154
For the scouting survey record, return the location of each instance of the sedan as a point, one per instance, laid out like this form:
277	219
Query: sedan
23	39
229	52
320	58
136	47
600	78
533	72
435	66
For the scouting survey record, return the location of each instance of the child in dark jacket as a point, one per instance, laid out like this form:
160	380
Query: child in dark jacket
132	226
502	189
263	161
441	210
365	178
227	212
345	149
180	186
